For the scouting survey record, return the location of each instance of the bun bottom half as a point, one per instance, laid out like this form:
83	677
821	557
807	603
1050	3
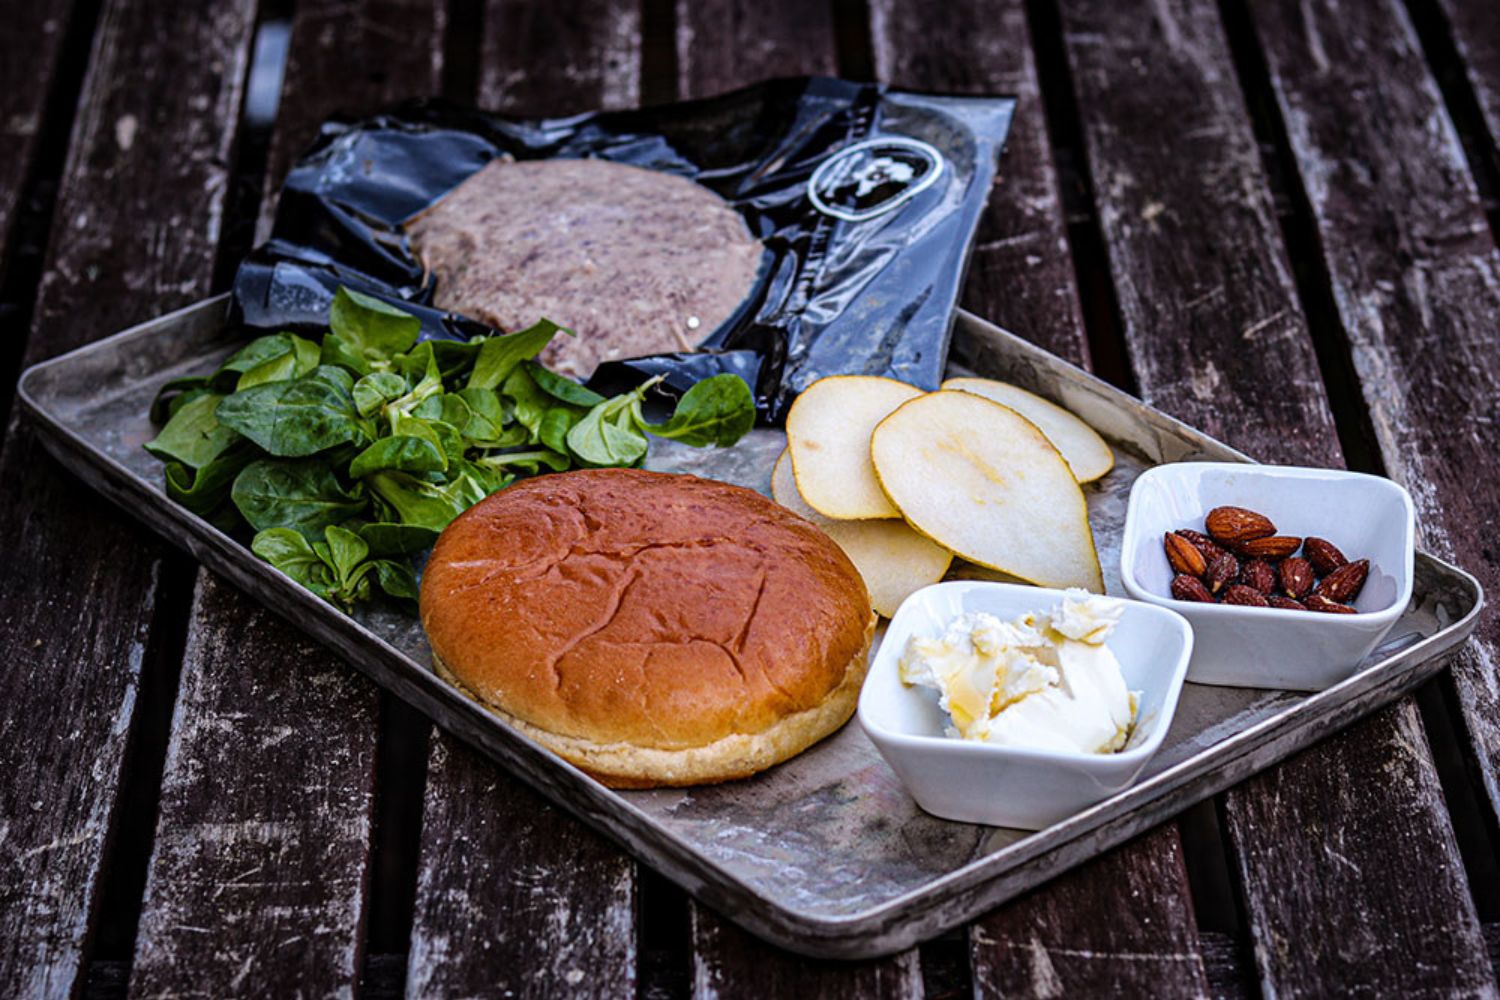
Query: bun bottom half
738	755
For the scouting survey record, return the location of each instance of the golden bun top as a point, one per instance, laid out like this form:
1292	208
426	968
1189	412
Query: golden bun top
640	608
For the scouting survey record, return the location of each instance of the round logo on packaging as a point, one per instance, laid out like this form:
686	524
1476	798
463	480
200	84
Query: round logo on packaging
871	178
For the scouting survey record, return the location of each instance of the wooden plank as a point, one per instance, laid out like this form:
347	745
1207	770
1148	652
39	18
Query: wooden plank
300	764
514	899
1120	925
29	51
724	44
1416	281
1475	31
560	58
354	58
1217	337
1021	274
1377	906
257	878
1125	919
136	232
513	894
729	963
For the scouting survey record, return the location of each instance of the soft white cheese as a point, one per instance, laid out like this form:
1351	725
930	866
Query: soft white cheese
1040	681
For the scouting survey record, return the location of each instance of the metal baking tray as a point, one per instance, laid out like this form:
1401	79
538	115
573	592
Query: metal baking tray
826	854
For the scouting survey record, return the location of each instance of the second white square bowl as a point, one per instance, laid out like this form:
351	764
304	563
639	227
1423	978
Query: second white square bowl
1367	517
976	782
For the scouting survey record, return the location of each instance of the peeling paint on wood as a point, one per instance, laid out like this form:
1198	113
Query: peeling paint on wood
1058	938
29	50
1021	273
1122	924
723	44
351	58
1476	35
77	623
789	39
1217	337
257	880
286	845
1416	280
560	58
728	963
514	898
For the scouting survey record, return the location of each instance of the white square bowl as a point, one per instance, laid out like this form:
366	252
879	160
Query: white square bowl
976	782
1367	517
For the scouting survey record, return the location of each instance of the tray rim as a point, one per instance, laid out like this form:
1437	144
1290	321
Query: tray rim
861	933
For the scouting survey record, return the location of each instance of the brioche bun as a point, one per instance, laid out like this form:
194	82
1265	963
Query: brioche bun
650	629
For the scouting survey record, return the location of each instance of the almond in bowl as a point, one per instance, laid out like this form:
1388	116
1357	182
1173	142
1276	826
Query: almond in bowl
1276	604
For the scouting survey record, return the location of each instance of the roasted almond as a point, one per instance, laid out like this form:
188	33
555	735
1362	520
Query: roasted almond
1257	574
1184	555
1246	596
1317	602
1285	603
1211	549
1271	547
1222	571
1190	588
1343	584
1297	576
1235	525
1323	554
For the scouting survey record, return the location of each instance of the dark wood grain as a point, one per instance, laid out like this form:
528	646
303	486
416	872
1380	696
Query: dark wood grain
1216	336
1475	31
1416	281
355	58
779	39
1377	905
1206	296
135	234
1120	925
1021	273
513	894
541	58
514	899
723	44
29	50
258	872
729	963
287	785
1124	919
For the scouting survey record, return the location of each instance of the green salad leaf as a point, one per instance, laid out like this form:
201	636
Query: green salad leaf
347	457
560	387
717	411
299	417
193	436
499	356
302	494
373	328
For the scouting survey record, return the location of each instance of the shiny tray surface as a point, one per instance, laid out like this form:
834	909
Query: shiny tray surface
825	854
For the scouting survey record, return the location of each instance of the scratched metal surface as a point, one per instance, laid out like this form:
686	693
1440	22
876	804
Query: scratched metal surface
826	853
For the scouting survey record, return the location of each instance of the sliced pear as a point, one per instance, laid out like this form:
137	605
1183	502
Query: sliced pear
894	560
983	482
828	434
1085	451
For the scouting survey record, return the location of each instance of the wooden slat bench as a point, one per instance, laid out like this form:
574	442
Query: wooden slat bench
1259	217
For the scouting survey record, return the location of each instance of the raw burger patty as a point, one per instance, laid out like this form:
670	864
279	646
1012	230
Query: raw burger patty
633	261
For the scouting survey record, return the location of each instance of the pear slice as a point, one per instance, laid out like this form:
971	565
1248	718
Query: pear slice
1085	451
894	560
828	434
983	482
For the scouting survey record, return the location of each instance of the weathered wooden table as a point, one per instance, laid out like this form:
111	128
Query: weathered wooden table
1272	219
